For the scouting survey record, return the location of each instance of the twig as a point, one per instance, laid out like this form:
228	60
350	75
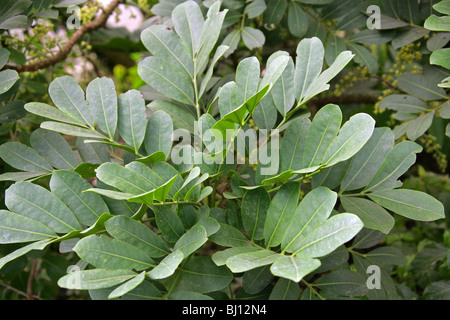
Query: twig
30	281
75	38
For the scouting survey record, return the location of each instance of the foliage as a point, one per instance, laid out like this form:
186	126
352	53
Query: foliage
97	175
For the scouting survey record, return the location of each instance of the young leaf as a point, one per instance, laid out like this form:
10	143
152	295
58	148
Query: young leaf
251	260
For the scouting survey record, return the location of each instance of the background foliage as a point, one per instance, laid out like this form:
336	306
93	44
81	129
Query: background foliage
396	75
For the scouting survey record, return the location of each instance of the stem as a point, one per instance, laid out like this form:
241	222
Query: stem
314	290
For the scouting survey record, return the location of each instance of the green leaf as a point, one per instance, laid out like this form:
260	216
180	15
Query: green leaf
132	118
188	21
165	44
102	100
220	257
294	268
293	145
265	114
285	290
274	12
323	130
283	89
200	274
232	41
39	204
439	290
364	57
351	138
320	83
71	130
168	223
255	8
280	213
54	149
412	204
210	33
137	235
419	126
308	65
253	38
313	211
221	50
13	111
105	253
182	118
21	176
436	23
38	245
396	163
191	240
68	97
409	35
158	135
335	45
229	236
420	86
403	103
127	286
69	186
24	158
251	260
4	55
297	20
94	279
123	179
387	256
372	215
343	283
372	36
255	204
7	79
256	280
247	79
328	236
188	295
167	266
94	153
167	79
441	58
15	228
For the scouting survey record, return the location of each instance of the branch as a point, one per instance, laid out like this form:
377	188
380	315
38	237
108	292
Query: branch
75	38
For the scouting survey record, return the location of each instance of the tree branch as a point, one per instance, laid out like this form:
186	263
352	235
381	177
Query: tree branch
75	38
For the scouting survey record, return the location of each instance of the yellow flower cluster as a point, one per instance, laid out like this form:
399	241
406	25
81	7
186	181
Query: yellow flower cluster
89	11
432	147
350	79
